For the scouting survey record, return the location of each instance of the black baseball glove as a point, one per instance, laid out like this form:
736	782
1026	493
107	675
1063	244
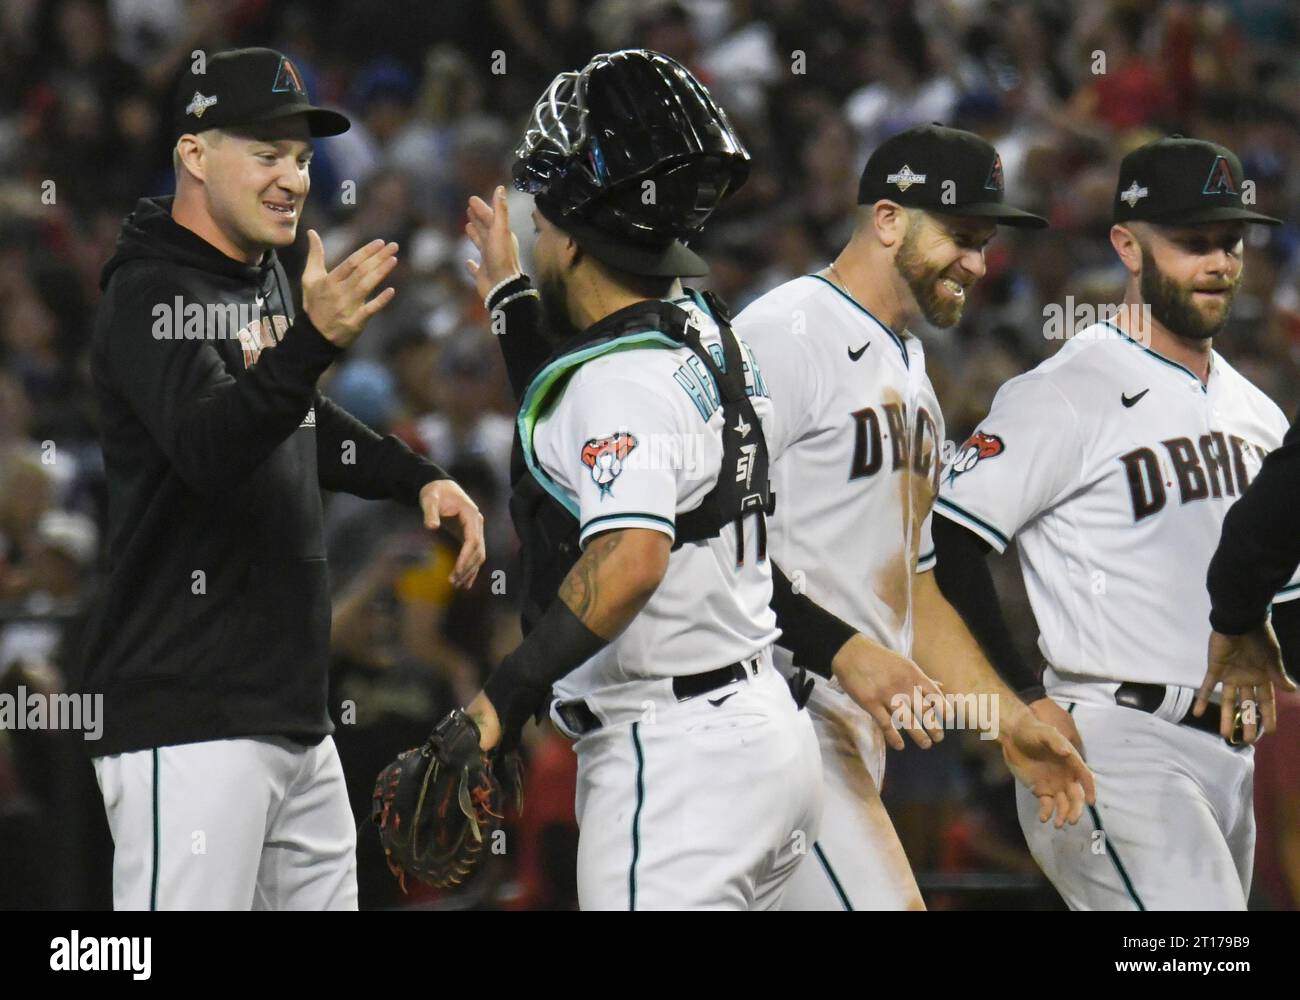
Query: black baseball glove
438	804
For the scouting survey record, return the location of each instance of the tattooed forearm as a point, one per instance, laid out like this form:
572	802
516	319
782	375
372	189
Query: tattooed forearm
581	588
616	575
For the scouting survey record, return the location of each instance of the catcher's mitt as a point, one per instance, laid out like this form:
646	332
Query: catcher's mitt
437	804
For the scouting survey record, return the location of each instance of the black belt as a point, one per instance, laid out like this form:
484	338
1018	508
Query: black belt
580	719
1149	697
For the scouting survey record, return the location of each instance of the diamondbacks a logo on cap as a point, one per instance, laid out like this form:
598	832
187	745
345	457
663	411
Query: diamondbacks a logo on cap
287	78
199	104
905	178
1220	179
1133	194
994	183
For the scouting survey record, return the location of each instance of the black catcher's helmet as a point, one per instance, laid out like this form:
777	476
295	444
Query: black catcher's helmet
597	136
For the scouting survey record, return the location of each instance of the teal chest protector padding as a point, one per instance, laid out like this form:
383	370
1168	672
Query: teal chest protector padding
547	520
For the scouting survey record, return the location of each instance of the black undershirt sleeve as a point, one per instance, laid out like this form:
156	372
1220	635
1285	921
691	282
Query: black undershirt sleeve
1286	626
1259	547
964	578
558	644
808	630
516	317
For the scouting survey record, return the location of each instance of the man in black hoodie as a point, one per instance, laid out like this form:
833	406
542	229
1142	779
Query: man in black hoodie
222	785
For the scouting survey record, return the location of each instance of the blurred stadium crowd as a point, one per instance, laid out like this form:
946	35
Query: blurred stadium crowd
437	90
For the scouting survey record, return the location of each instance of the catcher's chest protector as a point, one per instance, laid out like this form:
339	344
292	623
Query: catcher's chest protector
548	528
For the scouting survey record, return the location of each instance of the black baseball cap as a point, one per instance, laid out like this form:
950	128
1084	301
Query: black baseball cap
247	87
1177	181
944	170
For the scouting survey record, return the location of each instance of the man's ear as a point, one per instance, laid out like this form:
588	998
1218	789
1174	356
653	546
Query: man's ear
572	253
1125	241
190	156
890	221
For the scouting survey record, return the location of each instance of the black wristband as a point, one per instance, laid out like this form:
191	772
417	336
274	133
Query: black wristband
1226	623
508	289
558	644
808	630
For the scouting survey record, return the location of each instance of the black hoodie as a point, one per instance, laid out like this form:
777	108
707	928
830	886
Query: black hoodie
216	617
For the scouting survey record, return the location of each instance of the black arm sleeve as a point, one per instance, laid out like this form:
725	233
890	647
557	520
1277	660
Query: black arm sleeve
963	575
808	630
556	645
351	458
214	429
1259	547
1286	626
516	318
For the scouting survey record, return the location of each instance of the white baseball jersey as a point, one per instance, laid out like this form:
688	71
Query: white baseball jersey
855	448
855	444
1113	467
634	438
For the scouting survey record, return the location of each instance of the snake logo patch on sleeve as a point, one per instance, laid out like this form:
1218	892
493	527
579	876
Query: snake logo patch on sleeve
976	448
604	457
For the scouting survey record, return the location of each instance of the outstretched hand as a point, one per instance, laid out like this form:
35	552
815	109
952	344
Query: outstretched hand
1046	763
489	230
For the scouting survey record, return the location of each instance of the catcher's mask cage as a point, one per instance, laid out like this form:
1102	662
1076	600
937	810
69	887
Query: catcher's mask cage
629	117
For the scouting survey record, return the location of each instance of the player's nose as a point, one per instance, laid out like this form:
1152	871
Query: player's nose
293	181
1220	262
972	261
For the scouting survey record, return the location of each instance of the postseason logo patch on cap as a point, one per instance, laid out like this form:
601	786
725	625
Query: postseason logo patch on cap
199	104
1133	194
905	178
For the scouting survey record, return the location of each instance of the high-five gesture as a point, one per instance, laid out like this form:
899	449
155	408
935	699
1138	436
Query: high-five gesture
489	230
338	302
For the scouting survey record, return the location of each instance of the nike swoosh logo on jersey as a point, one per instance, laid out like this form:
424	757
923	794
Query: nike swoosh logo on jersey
854	355
1132	400
719	701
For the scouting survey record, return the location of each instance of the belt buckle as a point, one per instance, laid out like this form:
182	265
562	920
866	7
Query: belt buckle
567	715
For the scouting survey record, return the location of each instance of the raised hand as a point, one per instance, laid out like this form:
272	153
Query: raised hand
338	302
489	230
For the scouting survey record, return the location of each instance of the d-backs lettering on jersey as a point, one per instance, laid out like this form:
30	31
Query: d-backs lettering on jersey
1213	464
1113	467
913	443
627	445
856	453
